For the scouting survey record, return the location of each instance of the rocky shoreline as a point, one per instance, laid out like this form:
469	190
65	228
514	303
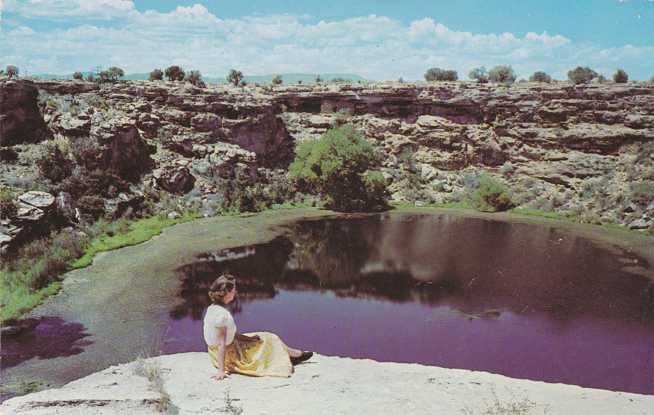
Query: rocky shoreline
181	384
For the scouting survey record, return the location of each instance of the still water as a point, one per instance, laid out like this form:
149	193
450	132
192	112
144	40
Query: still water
519	300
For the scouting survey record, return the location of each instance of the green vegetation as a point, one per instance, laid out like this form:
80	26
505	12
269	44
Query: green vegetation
23	387
642	192
502	74
174	73
78	75
121	233
479	74
438	74
620	77
7	203
340	166
235	77
11	71
509	407
27	280
111	75
581	75
156	75
195	78
277	80
487	194
540	76
153	373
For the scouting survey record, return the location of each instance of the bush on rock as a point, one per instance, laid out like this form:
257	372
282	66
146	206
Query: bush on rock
487	194
340	166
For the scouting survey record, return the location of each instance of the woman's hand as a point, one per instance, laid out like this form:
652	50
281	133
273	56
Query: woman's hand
220	375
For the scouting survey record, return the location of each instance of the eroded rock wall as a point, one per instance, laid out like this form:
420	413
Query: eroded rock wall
588	150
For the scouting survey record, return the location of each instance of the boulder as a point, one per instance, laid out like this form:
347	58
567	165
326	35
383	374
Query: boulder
41	200
175	180
29	213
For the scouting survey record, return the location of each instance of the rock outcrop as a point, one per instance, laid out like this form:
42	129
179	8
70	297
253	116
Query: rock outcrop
585	150
325	385
20	119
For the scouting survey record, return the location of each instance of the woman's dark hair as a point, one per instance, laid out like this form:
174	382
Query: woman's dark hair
220	287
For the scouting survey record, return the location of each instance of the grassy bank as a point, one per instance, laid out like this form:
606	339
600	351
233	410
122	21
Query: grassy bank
36	272
465	207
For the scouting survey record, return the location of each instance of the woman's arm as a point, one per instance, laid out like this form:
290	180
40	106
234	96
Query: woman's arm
222	342
242	337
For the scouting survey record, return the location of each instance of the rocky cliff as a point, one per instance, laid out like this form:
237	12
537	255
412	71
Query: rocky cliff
585	150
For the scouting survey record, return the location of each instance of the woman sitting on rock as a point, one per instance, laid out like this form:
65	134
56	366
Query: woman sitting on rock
256	354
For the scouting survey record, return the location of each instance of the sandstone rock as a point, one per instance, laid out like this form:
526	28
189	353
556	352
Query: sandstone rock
40	200
70	125
20	119
29	213
121	148
205	122
642	223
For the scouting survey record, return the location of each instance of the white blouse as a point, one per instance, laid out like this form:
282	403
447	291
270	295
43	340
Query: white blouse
216	317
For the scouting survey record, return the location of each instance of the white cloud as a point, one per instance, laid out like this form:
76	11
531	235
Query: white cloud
97	9
377	47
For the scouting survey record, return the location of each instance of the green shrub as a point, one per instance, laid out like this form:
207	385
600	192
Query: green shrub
195	78
115	73
235	77
156	75
620	77
339	166
479	74
11	71
8	207
642	192
540	76
92	206
174	73
277	80
53	165
488	195
581	75
78	75
502	74
438	74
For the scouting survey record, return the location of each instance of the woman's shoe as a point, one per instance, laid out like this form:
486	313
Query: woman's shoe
301	358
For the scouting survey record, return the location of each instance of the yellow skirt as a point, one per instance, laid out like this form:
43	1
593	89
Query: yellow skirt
268	357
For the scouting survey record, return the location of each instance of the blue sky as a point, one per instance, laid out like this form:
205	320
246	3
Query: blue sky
380	39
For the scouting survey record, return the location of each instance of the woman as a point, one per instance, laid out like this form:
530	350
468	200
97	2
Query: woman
258	354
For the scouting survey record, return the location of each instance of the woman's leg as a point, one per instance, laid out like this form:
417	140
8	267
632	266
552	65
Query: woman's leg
294	352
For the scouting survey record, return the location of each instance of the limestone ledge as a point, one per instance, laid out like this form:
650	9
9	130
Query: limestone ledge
324	385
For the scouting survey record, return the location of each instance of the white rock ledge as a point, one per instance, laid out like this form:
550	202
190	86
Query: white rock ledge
324	385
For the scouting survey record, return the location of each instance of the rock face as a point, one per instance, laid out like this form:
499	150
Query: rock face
20	119
34	211
584	150
325	385
575	149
